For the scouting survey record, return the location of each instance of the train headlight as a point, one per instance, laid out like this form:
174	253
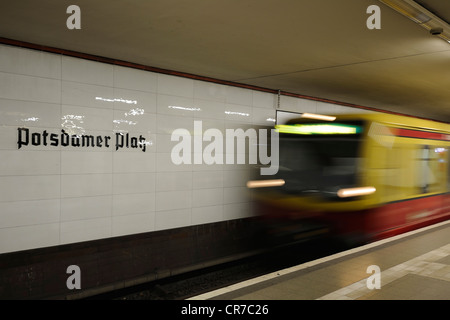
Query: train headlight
265	183
354	192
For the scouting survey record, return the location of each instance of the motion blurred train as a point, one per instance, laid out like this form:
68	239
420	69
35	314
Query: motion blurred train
358	177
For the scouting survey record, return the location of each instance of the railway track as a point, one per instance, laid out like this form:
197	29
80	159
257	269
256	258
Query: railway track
193	283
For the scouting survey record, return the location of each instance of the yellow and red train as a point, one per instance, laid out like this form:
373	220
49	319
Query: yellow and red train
364	177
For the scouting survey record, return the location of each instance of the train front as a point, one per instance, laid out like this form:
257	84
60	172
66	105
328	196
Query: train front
321	183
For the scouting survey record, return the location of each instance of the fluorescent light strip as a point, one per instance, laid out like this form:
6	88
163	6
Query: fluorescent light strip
444	37
265	183
408	10
420	15
318	117
354	192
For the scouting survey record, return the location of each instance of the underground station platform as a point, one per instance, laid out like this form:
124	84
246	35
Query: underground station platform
411	266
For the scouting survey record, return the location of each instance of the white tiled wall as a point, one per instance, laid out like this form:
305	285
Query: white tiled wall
56	195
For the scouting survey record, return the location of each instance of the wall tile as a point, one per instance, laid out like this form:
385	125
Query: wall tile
210	91
20	87
287	103
175	86
29	237
172	219
30	62
209	214
207	197
172	181
88	95
208	109
28	114
206	166
164	143
237	178
131	224
164	164
176	106
236	195
325	108
307	106
22	188
126	204
238	113
136	161
83	162
264	117
171	200
9	138
265	100
237	211
86	185
24	213
132	100
85	230
133	121
134	79
85	208
236	95
85	71
208	179
167	124
86	118
139	182
21	162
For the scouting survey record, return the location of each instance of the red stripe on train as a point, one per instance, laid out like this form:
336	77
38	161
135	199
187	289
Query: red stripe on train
421	134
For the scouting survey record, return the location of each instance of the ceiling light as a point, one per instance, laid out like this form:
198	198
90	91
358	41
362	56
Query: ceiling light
445	37
422	16
407	9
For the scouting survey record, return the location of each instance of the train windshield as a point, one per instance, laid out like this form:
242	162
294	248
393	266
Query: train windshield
322	162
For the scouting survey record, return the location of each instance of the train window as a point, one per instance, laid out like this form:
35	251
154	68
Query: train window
440	167
423	168
394	174
318	165
401	172
427	169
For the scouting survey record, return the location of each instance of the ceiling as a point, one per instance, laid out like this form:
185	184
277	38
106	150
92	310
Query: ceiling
319	48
